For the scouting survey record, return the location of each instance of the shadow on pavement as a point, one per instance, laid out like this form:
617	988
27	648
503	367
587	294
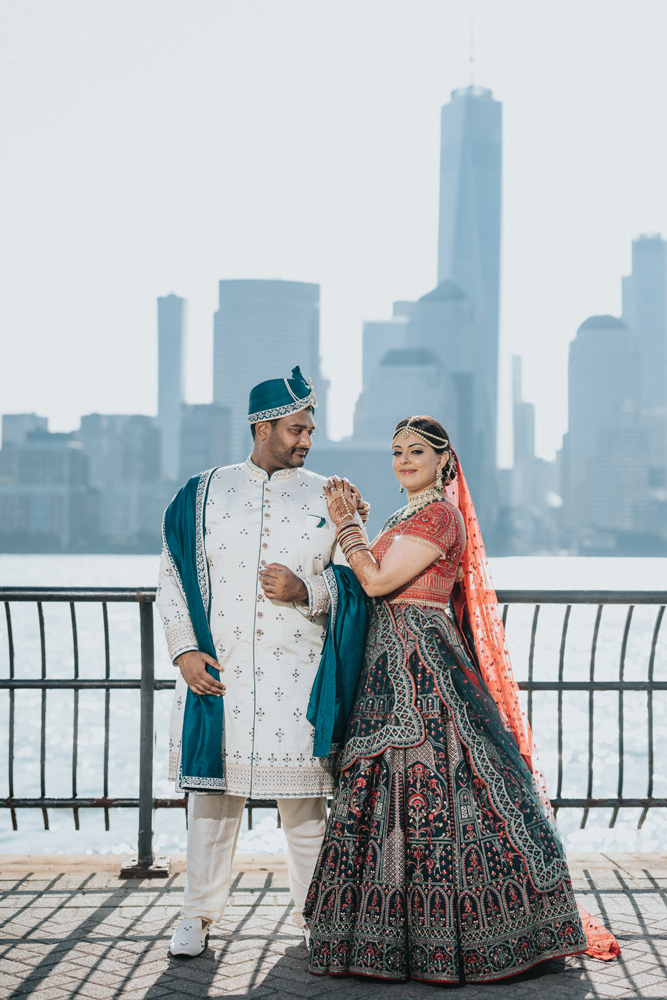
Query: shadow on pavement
289	977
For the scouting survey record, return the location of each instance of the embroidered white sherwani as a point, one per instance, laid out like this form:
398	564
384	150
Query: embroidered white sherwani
270	651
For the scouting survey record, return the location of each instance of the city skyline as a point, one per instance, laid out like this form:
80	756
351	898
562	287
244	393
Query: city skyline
643	311
104	486
286	165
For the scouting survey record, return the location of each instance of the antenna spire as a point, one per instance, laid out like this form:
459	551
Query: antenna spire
472	42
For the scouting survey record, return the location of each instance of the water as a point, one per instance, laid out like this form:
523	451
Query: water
120	570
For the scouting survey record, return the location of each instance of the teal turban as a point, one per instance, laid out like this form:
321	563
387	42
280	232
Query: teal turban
278	397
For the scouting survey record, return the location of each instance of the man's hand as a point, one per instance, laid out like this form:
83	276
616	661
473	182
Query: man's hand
280	584
193	667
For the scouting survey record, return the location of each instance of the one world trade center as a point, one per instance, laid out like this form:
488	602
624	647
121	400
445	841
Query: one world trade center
470	197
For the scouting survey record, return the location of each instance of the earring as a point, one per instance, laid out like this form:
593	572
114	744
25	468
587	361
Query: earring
402	489
438	480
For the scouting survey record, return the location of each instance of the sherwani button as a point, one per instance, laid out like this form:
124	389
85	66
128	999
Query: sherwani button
259	632
264	546
260	614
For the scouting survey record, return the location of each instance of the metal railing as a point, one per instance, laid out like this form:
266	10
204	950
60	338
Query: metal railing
148	684
601	598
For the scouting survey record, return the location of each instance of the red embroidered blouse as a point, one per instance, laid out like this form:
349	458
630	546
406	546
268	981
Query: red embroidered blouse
440	526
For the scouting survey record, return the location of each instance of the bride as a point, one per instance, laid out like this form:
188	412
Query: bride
441	860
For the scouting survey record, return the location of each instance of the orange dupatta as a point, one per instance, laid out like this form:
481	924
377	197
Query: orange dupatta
478	595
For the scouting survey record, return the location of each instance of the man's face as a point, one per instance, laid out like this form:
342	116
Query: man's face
290	440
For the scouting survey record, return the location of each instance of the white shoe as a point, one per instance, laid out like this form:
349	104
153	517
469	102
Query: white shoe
189	939
306	936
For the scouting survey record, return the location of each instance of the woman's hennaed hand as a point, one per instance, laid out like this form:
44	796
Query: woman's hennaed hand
193	667
341	500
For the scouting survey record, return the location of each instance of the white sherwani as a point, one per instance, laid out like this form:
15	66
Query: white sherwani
270	651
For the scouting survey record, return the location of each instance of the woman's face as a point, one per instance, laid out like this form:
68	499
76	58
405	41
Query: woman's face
415	463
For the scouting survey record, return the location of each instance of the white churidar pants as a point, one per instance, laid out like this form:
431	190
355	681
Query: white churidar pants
214	822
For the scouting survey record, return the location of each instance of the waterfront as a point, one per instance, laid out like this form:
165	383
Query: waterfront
531	572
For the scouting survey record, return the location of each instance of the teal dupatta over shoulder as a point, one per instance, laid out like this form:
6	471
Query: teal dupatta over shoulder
335	685
201	767
183	532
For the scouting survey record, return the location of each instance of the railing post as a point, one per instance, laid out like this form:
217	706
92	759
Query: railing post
145	865
145	844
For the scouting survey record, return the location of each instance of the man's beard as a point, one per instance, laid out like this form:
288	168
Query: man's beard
285	456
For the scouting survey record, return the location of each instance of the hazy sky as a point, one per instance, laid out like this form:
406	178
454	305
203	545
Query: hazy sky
152	146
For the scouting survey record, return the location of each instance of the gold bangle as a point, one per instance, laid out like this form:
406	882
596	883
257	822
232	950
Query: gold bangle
346	526
350	531
348	553
356	548
351	538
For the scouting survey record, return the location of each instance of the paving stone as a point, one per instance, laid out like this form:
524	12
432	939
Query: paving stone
148	994
9	966
648	978
612	991
58	980
97	991
659	990
194	989
51	993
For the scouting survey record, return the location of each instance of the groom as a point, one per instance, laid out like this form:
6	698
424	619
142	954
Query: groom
244	607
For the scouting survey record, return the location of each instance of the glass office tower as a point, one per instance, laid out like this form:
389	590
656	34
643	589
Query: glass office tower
262	330
470	198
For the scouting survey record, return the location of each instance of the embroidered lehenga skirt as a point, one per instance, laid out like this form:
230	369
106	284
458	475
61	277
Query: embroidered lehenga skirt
439	861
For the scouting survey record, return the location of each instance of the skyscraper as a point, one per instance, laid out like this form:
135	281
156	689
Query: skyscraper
524	417
46	504
470	199
449	323
528	492
262	329
406	382
124	457
645	312
17	426
439	355
204	438
605	448
430	358
380	336
170	320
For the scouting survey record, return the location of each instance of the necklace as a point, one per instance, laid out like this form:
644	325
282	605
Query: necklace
421	499
415	503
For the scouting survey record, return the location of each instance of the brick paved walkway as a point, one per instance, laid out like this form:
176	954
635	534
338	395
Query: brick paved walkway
71	928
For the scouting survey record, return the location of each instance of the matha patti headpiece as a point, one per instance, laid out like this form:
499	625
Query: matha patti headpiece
435	440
